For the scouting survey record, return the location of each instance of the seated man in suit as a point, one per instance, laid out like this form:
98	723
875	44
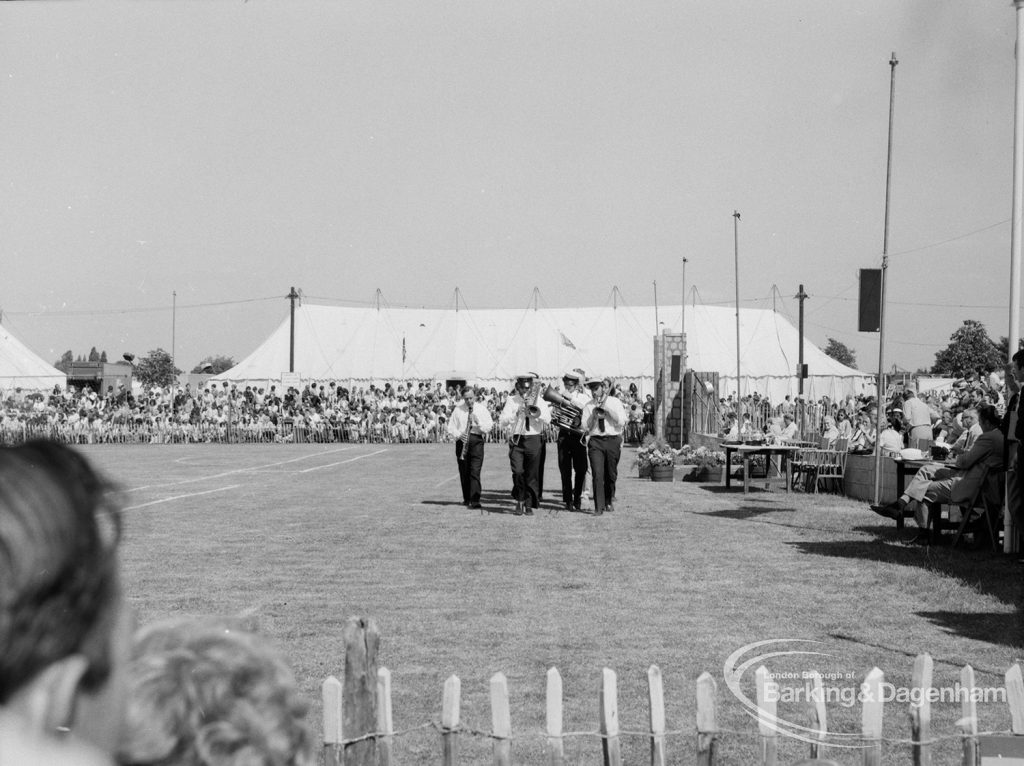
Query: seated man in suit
956	483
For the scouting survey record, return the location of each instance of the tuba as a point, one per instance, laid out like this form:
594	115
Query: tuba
564	413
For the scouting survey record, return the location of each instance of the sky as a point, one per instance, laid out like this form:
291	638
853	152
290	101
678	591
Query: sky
170	170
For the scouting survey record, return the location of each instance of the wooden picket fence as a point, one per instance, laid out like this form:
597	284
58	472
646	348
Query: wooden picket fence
359	731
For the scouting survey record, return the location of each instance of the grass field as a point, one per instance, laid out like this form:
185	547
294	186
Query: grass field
681	575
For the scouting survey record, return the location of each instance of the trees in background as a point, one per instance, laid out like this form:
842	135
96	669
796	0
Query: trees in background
214	365
156	369
970	350
841	353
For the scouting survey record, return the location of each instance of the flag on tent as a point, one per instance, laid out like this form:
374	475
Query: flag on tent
566	341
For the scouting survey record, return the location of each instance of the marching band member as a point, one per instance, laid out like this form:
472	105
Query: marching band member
527	415
572	452
603	419
469	423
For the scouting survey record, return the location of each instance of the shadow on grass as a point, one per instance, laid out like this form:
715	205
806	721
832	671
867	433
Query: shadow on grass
747	512
737	489
989	573
993	627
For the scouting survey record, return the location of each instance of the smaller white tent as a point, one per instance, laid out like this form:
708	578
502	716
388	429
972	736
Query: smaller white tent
21	368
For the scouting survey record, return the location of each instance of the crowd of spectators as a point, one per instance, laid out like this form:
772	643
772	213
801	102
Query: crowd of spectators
853	418
321	411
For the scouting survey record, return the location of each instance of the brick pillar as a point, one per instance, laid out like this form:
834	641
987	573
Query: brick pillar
669	366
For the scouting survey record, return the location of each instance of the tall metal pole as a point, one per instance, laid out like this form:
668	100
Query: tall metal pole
880	386
657	324
292	296
174	321
682	302
801	296
736	258
1009	536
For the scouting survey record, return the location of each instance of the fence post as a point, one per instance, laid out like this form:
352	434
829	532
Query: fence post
707	724
556	748
921	710
968	722
766	709
871	717
656	692
451	713
609	726
359	691
501	720
330	692
385	720
1015	698
819	714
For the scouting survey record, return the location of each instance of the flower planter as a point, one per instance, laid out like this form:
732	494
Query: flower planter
644	471
662	473
711	475
689	472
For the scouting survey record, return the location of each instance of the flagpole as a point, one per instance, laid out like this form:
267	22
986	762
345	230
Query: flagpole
736	256
880	391
1013	335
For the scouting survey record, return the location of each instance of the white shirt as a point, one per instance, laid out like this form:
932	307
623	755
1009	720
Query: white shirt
459	416
510	418
614	418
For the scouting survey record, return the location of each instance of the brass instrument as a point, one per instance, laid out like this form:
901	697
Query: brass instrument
464	436
599	413
527	411
565	414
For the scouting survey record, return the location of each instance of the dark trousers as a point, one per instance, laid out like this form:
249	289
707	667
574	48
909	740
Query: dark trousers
572	458
1015	492
540	467
524	458
469	468
603	452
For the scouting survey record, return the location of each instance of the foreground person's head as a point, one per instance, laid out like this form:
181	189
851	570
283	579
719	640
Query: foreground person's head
203	693
64	628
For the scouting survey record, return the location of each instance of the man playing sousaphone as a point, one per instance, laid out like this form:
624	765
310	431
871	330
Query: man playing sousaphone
526	416
572	452
603	419
469	424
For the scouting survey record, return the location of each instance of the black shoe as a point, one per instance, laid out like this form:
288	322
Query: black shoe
519	509
529	511
889	510
609	508
576	507
598	511
476	506
568	507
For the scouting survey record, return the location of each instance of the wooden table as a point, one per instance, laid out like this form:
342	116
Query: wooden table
746	451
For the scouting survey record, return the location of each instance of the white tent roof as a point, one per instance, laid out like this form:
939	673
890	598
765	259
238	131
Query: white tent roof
380	344
21	368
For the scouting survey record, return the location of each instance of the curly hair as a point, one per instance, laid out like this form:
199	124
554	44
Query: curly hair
207	694
59	529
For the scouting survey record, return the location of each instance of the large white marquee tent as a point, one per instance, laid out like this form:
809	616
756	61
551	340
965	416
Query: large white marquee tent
490	346
21	368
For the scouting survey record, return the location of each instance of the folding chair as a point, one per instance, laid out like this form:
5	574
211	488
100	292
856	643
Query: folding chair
989	498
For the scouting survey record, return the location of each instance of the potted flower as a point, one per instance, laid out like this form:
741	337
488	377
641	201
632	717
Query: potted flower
707	463
655	458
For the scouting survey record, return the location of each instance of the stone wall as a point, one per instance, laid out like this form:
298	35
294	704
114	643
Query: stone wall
669	365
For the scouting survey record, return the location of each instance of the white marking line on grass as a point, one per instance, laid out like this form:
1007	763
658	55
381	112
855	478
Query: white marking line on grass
442	483
180	497
350	460
239	470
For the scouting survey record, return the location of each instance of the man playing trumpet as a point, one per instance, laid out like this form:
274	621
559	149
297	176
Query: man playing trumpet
604	417
470	423
526	415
